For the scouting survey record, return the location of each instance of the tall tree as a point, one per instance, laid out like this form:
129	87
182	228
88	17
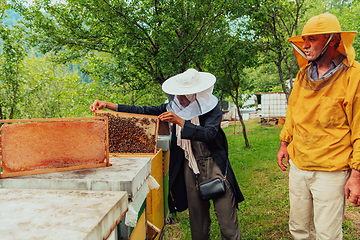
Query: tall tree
3	7
228	64
275	22
149	40
11	57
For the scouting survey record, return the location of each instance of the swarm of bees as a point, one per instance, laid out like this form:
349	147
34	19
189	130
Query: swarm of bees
126	134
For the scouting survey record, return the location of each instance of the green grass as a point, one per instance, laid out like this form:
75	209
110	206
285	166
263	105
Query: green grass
264	213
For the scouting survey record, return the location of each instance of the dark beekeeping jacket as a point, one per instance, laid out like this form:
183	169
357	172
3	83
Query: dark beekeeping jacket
209	132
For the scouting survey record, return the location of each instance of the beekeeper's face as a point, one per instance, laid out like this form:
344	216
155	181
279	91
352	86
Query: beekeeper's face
183	100
313	45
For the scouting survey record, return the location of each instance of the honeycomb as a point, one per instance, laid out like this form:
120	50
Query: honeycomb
131	134
39	145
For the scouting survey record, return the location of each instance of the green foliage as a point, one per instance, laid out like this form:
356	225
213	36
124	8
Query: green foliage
11	56
129	92
126	48
349	18
263	77
148	40
53	91
229	64
4	6
50	90
274	22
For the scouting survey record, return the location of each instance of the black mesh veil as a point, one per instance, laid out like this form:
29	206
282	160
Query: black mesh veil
307	82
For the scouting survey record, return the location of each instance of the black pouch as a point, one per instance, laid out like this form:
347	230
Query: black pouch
212	188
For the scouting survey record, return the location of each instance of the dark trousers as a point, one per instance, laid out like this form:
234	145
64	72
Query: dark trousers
224	205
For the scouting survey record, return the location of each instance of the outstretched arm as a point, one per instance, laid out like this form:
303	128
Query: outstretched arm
283	153
99	105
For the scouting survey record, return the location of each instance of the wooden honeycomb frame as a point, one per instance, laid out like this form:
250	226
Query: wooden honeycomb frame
141	133
60	169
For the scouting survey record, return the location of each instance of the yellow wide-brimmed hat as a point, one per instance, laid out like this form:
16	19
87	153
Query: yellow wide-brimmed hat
325	23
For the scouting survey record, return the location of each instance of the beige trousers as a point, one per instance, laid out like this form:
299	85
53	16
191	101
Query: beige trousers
317	203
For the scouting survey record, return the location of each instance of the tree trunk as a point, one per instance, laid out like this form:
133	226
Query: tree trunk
243	125
291	72
1	113
235	124
283	84
13	104
221	101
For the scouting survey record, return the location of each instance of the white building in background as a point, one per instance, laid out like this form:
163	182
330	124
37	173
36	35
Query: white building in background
230	111
264	105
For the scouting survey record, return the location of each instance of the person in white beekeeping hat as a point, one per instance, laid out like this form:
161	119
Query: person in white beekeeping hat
199	152
320	139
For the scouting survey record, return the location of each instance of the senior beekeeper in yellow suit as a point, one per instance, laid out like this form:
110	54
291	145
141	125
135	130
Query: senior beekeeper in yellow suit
320	138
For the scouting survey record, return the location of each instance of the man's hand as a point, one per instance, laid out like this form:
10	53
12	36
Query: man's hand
99	105
283	153
352	188
171	117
